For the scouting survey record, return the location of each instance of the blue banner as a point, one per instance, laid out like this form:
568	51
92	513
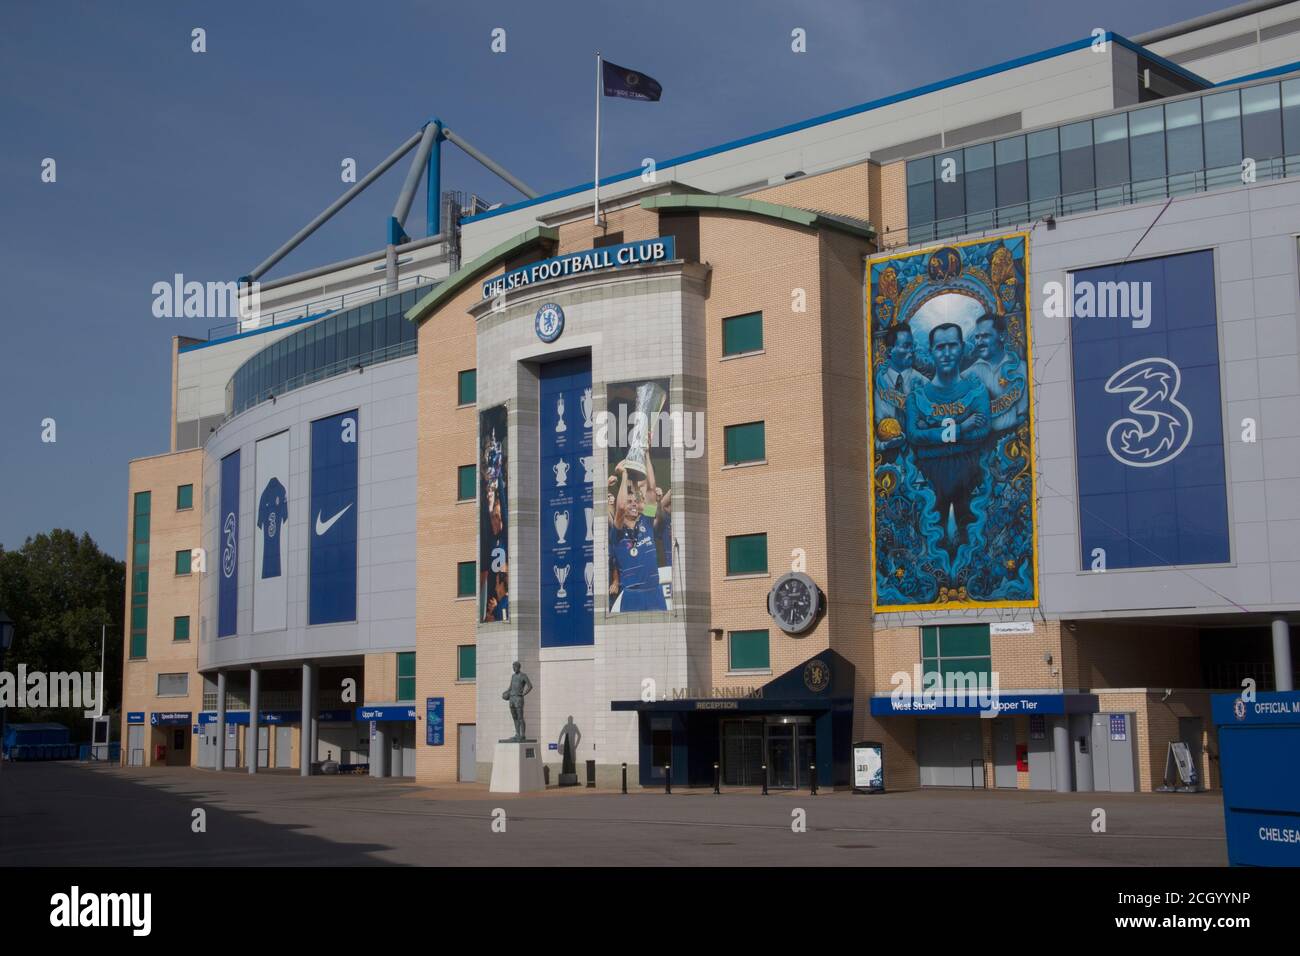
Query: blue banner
1148	414
567	471
493	516
135	716
170	718
228	538
332	590
387	712
434	730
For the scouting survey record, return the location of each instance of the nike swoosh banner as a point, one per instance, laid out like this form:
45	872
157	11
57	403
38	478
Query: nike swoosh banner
332	554
228	539
629	84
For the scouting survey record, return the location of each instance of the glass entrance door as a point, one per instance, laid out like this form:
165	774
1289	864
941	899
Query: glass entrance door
781	750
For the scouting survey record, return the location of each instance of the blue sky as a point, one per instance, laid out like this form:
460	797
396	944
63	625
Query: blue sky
171	161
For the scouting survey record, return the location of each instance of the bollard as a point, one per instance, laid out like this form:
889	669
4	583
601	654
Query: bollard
625	778
812	771
716	779
765	780
668	779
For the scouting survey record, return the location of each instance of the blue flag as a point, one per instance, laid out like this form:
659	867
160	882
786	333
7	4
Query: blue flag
629	84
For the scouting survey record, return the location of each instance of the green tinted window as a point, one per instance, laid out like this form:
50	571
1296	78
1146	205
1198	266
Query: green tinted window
181	628
963	640
139	618
745	443
465	579
930	641
140	555
742	333
142	502
466	662
184	497
747	554
138	644
182	562
406	675
749	651
141	529
465	483
467	387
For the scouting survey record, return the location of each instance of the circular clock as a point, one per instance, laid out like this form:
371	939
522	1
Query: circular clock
794	602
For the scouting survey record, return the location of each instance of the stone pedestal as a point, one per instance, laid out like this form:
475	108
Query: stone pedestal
517	767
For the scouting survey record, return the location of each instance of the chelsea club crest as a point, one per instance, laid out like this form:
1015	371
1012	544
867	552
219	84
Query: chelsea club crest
549	322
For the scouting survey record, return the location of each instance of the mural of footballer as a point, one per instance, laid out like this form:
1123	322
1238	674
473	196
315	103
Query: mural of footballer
494	564
952	479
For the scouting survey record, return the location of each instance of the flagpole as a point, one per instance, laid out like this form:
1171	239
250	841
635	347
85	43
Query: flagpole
595	209
103	643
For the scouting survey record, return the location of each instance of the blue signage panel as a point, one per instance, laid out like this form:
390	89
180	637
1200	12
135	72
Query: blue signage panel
434	730
567	512
170	718
1258	741
240	717
135	716
332	589
388	712
1006	703
659	249
1148	413
228	535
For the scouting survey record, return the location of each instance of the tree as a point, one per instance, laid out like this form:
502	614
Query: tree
60	589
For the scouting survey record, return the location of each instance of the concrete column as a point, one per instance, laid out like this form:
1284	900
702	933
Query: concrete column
1062	754
314	713
254	704
1282	679
379	751
304	735
221	720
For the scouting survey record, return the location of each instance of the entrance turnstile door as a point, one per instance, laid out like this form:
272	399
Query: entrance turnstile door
208	746
1114	753
230	740
135	745
1004	754
263	746
283	747
408	750
466	753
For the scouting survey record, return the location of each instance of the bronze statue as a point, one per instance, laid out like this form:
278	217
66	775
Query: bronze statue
520	686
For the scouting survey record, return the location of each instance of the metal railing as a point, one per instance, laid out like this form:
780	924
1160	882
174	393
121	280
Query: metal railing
1097	198
335	303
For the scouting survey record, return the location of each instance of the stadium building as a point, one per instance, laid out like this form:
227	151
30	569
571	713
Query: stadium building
996	379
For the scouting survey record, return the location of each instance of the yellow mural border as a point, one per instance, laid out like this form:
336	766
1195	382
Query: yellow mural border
876	607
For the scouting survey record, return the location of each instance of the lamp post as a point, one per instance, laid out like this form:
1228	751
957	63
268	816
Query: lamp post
6	642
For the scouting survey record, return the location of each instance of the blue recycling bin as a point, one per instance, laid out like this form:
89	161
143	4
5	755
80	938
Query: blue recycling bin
1259	742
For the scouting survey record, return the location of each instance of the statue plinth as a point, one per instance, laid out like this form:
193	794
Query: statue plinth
517	767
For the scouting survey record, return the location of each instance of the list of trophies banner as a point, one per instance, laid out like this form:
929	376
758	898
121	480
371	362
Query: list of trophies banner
566	568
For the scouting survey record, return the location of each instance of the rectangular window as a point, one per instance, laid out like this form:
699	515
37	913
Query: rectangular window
467	387
742	333
173	685
466	662
745	443
465	573
1044	172
920	199
1077	175
182	562
1291	125
1012	185
956	649
181	628
749	651
1261	127
406	675
747	554
980	198
140	575
1222	139
949	193
1110	133
1146	143
465	483
184	497
1183	144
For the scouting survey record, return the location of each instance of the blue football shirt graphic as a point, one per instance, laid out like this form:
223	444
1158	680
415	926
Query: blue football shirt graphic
272	511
